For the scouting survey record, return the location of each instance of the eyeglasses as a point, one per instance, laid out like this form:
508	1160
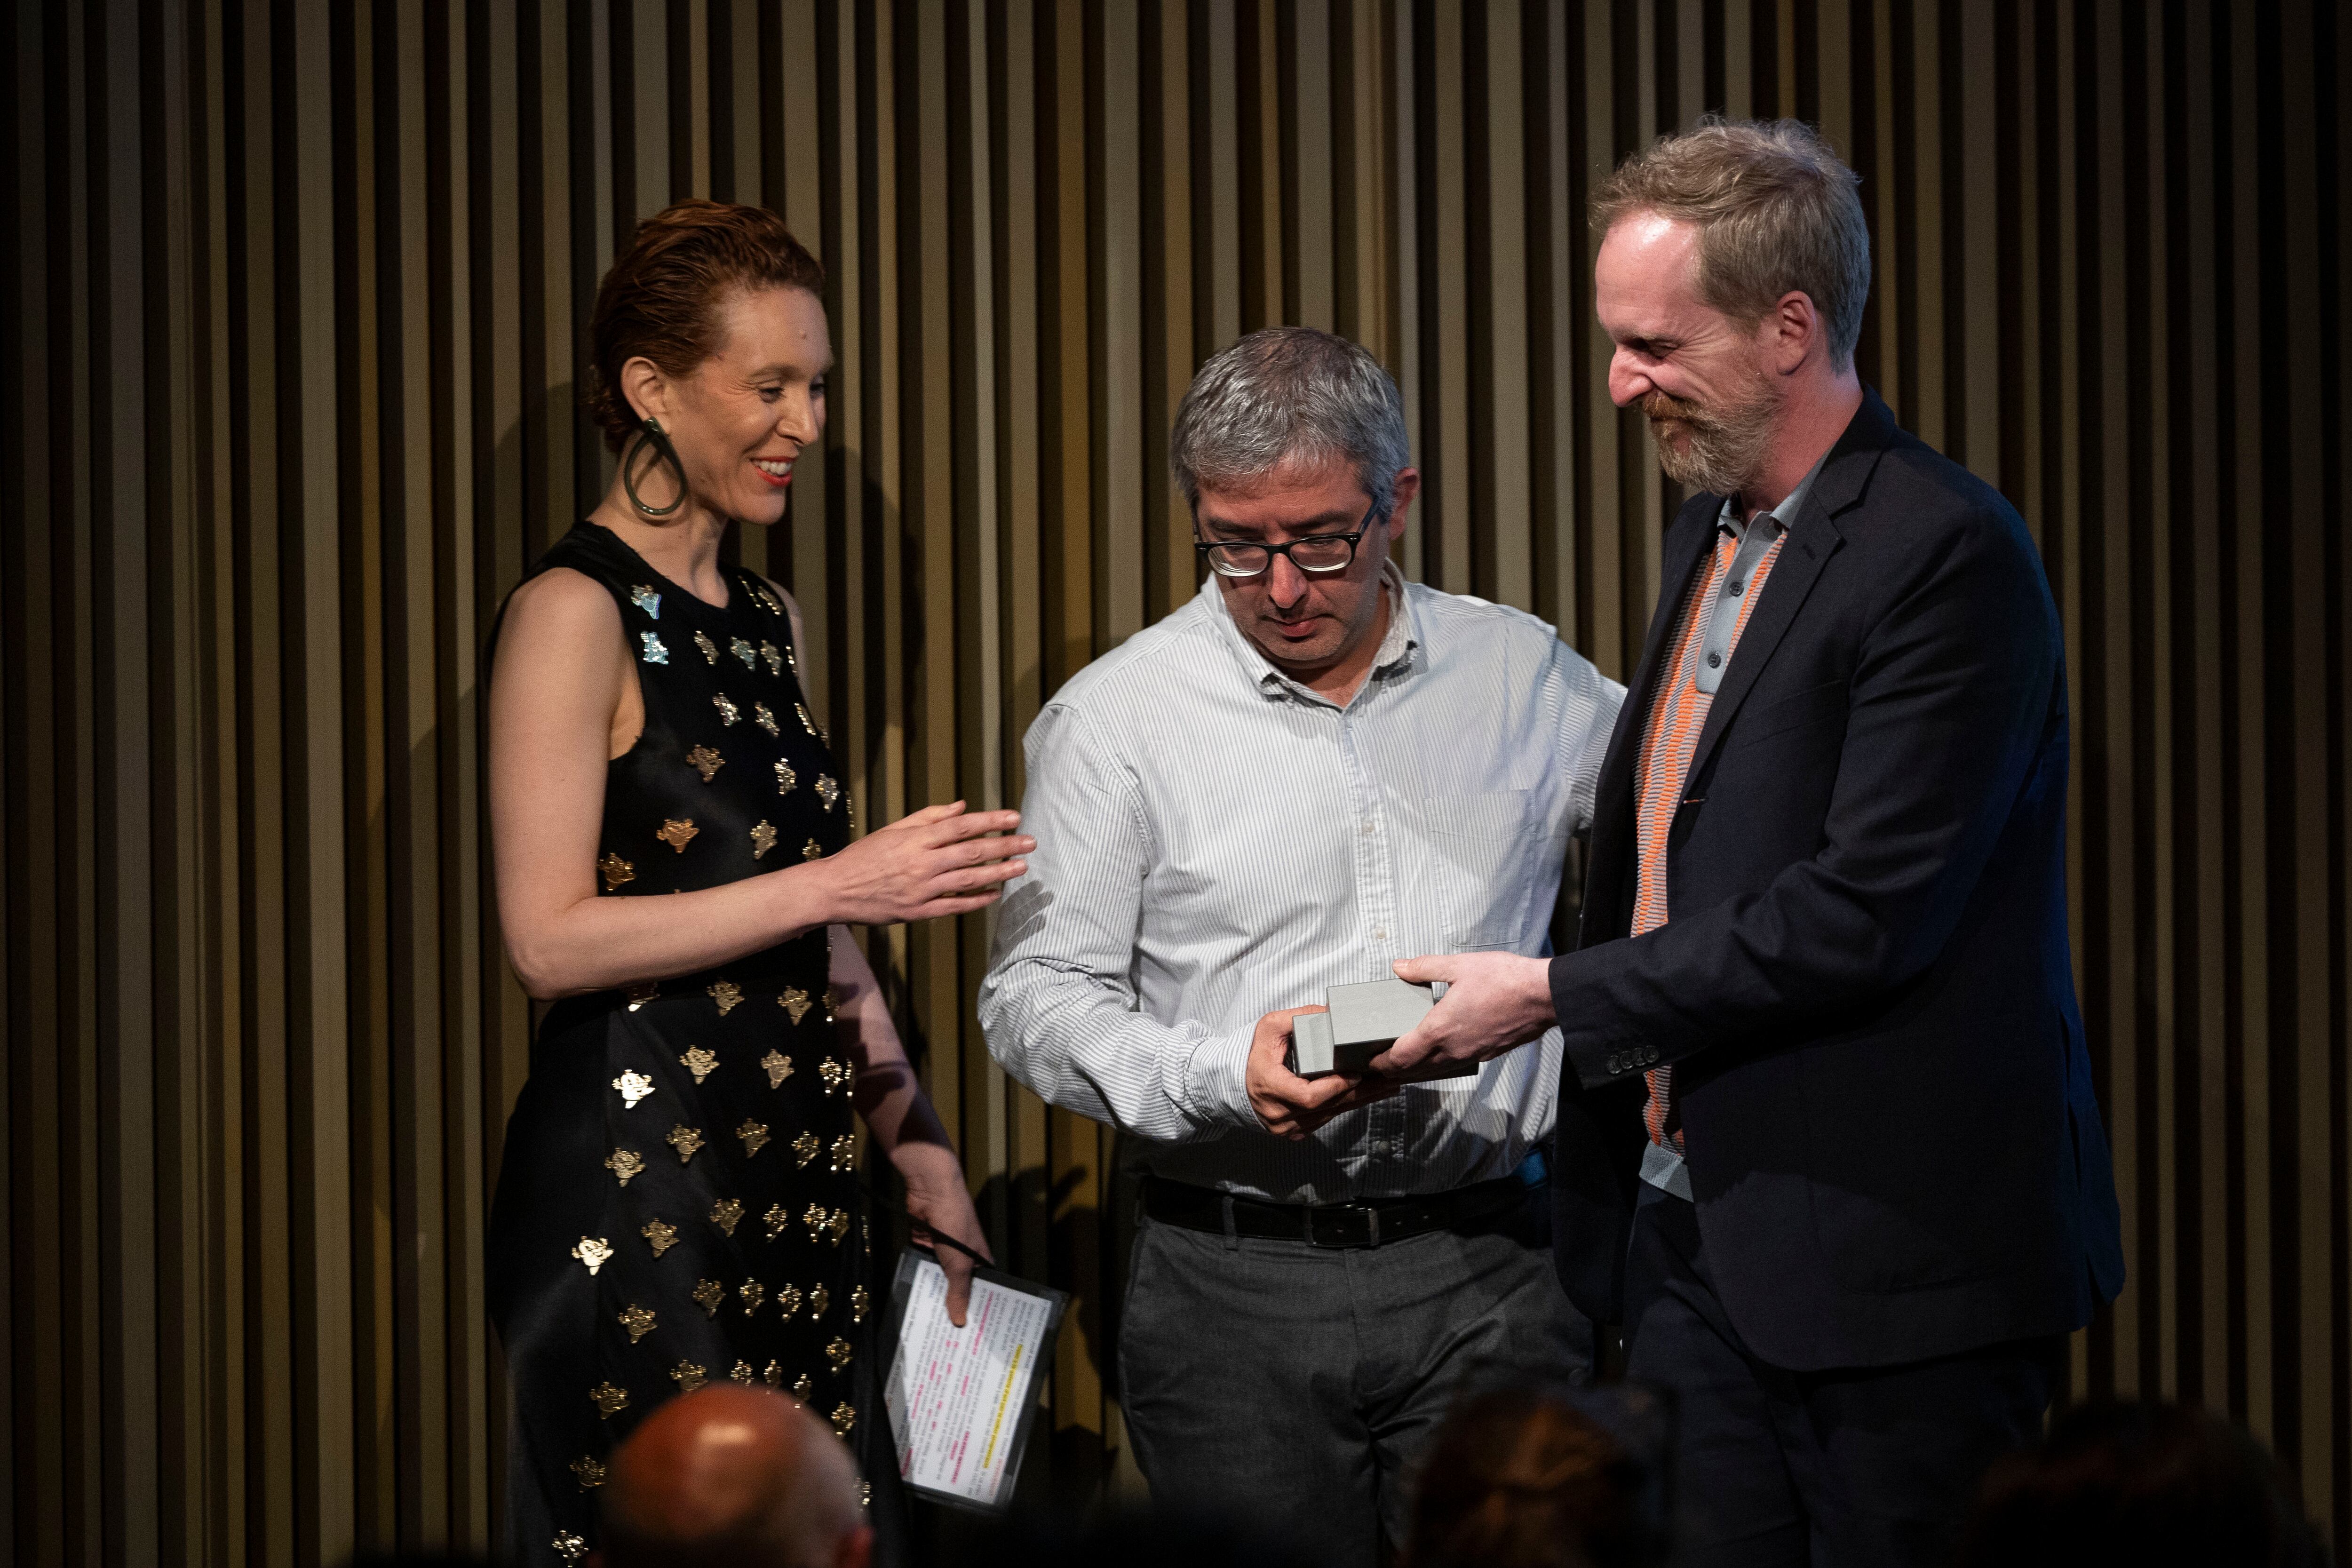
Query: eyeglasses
1318	554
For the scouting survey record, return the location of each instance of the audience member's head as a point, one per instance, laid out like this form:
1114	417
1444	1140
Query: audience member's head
730	1476
2144	1484
1521	1479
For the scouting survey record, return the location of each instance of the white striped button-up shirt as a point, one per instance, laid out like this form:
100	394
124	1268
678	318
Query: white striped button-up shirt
1215	841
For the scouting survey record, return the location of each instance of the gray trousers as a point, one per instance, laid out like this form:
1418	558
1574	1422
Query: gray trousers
1292	1390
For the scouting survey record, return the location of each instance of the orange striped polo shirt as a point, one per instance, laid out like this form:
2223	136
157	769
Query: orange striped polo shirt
1728	583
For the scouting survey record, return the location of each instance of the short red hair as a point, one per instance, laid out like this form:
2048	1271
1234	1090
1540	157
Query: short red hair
661	300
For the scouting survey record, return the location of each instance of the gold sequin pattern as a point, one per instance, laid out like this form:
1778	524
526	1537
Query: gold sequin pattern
614	871
775	660
779	1066
706	762
837	1075
727	1214
727	712
742	1373
634	1085
765	719
837	1226
826	790
778	1219
789	1299
593	1251
774	1376
678	832
755	1135
819	1299
844	1152
804	1149
660	1235
844	1418
744	651
685	1140
637	1320
625	1164
728	995
689	1375
795	1003
591	1473
707	1294
568	1545
785	777
859	1302
754	1293
802	1387
815	1217
608	1399
701	1063
838	1352
764	838
811	850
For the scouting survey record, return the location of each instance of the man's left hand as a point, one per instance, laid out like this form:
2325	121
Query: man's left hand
1492	1002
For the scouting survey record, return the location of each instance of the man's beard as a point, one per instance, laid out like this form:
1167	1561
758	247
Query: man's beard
1727	444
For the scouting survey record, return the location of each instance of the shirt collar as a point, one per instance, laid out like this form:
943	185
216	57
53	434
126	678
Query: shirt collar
1783	516
1397	644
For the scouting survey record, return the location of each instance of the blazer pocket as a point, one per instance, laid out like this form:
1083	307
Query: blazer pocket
1799	710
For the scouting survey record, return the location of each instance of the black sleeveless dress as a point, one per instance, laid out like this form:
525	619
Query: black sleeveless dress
678	1202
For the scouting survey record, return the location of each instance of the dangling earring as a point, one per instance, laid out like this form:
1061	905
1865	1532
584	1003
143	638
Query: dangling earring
663	453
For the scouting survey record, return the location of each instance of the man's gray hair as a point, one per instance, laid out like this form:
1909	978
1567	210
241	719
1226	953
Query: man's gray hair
1775	209
1289	393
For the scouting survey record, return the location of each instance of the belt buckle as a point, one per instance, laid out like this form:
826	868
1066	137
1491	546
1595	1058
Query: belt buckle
1371	1216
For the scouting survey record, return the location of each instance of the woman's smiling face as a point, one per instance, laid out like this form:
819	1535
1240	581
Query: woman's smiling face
741	422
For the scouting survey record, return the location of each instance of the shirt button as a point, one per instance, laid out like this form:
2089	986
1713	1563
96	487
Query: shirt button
1735	585
1379	934
1369	827
1714	660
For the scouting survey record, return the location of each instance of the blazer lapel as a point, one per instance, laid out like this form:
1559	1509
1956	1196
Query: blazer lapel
1812	542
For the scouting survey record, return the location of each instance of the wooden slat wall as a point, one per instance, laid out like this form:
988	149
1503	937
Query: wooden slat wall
288	397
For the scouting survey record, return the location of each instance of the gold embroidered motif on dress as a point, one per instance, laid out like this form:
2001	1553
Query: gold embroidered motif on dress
765	719
802	1387
568	1545
814	1217
775	660
641	995
837	1075
710	649
609	1399
811	850
634	1085
804	1149
594	1252
754	1293
643	597
625	1164
788	1300
826	790
794	1002
690	1376
844	1418
678	832
727	713
638	1320
865	1494
707	1294
615	871
838	1352
591	1473
655	652
777	1220
837	1226
662	1235
701	1063
727	1214
859	1302
754	1134
819	1299
706	762
764	838
728	995
685	1140
807	723
742	1373
774	1376
743	651
844	1152
779	1066
785	778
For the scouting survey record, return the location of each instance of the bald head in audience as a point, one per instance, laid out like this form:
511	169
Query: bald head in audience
730	1476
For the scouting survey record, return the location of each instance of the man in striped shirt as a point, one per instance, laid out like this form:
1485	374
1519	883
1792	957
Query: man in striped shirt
1311	770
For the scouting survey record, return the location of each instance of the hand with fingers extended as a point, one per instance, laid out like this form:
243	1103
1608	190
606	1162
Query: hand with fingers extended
1494	1002
1291	1106
941	860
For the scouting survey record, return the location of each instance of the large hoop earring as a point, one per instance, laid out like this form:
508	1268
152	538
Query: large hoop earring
663	453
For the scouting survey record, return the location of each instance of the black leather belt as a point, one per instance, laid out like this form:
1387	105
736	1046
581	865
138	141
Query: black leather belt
1366	1223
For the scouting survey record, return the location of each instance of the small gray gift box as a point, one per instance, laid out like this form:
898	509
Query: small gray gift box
1362	1021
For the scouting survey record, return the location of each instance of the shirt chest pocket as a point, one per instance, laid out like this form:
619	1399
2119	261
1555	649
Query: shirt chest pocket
1481	855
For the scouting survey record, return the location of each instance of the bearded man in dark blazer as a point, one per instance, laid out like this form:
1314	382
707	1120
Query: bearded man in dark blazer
1837	1162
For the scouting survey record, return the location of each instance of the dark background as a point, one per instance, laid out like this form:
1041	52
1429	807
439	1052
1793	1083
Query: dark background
288	398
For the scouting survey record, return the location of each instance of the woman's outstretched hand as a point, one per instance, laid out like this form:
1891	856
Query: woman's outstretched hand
941	860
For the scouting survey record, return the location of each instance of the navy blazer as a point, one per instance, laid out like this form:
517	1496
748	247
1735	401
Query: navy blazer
1864	987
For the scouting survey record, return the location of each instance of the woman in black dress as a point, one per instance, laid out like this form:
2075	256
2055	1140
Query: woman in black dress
679	1199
